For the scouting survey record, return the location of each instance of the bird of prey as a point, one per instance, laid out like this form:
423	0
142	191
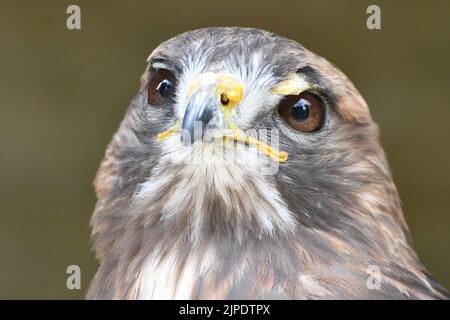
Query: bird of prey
194	202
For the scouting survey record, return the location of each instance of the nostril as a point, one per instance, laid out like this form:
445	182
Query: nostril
224	99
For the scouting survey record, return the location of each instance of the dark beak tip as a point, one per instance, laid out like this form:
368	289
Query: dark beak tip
195	121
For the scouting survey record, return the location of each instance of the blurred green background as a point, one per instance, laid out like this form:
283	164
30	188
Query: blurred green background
63	94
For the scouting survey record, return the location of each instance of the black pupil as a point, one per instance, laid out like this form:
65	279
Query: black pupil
165	88
300	111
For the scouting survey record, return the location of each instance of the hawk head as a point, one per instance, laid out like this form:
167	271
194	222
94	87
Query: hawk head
249	167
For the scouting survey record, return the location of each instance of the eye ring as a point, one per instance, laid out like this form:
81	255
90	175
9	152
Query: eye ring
161	87
304	112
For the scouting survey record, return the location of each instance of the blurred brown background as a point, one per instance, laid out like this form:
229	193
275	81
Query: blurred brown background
63	93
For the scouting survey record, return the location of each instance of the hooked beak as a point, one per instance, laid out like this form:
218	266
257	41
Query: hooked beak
212	97
209	107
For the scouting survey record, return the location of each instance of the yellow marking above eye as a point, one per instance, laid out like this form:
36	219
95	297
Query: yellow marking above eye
294	85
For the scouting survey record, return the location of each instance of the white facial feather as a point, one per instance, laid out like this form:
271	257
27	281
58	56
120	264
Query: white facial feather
215	168
238	176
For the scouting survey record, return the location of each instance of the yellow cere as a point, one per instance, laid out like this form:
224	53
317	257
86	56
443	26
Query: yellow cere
226	84
233	89
294	85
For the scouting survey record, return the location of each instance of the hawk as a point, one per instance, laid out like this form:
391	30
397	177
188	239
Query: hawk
247	167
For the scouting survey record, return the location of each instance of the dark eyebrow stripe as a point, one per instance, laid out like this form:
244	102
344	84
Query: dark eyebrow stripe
311	74
158	60
165	62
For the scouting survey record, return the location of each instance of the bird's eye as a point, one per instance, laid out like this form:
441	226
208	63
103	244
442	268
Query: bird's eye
161	87
304	112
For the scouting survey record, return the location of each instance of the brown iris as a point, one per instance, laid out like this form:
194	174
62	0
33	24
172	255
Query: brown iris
161	87
304	112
